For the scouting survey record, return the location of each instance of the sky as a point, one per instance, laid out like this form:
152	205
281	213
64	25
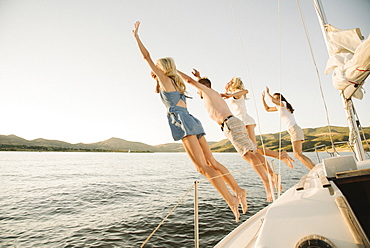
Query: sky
70	70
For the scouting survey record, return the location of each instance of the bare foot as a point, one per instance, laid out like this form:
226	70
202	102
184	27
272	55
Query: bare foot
243	200
268	192
268	197
234	206
287	159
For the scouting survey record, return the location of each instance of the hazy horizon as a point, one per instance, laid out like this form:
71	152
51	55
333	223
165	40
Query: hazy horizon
71	70
177	142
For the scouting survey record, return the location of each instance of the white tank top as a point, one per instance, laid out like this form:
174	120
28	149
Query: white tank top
239	109
286	116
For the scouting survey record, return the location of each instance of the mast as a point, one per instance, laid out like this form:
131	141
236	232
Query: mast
355	137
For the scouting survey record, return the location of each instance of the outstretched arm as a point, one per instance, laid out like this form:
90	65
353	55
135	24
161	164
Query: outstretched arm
186	78
236	94
146	55
272	99
191	81
267	108
225	95
196	73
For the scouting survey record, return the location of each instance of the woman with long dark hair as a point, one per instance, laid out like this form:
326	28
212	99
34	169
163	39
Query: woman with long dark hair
286	114
237	94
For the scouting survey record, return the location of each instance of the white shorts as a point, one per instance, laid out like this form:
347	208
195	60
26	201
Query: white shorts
248	120
296	133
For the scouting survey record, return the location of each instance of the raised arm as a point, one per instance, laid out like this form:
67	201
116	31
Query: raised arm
186	78
196	73
267	107
236	94
163	79
191	81
272	99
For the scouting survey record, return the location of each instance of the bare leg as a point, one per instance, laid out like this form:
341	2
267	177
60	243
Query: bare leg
297	149
258	166
261	153
251	133
267	167
227	177
267	152
252	136
268	170
195	152
283	156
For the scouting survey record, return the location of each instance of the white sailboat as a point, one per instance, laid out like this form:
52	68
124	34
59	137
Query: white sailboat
330	206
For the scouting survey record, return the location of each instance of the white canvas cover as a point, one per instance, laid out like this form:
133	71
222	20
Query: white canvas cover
349	59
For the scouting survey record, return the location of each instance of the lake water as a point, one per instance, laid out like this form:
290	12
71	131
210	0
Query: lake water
118	199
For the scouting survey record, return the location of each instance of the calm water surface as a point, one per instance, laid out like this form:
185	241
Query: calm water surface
117	199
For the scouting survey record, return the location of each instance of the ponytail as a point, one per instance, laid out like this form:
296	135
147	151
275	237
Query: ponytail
288	105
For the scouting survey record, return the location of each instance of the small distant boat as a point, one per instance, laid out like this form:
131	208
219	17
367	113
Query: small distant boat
330	206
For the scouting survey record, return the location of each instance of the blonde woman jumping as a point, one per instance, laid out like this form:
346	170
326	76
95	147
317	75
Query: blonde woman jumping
189	130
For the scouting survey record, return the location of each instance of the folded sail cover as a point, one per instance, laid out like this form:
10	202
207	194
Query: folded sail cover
349	59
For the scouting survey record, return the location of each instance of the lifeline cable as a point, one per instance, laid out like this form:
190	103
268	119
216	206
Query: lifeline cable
165	218
280	87
173	209
317	73
254	99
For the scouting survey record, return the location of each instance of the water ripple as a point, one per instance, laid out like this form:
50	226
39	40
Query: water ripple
116	200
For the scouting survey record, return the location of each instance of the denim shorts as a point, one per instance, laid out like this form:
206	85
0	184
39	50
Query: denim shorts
182	124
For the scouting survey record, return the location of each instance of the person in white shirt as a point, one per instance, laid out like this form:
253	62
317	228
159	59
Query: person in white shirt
286	114
236	93
232	127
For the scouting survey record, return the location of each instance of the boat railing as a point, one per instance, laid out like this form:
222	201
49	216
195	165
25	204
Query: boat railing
332	154
328	150
194	186
196	214
169	213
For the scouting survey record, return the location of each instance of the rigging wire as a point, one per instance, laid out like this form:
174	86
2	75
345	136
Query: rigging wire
253	96
354	133
280	88
360	130
182	198
247	67
165	218
317	73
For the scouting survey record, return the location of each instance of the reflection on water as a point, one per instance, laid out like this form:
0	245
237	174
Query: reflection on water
117	199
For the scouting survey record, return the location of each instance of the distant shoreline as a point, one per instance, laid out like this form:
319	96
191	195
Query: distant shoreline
314	137
58	149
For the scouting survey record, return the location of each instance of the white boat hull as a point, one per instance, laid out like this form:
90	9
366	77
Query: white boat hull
297	214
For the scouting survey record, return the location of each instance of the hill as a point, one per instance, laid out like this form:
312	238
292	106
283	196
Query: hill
119	144
15	143
314	137
171	147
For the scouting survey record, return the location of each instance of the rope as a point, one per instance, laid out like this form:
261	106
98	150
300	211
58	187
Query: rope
317	73
208	179
280	89
248	72
361	130
183	197
252	91
165	218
